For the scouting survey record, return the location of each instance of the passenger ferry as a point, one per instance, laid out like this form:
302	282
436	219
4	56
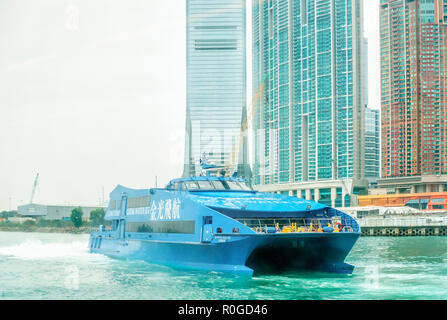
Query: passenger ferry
217	223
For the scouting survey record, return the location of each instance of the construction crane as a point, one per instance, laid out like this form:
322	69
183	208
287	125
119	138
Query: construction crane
36	181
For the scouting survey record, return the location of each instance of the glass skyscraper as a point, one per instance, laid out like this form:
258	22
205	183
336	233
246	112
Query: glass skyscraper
216	83
372	145
413	46
372	130
309	106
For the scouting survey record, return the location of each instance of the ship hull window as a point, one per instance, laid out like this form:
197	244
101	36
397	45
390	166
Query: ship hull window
182	227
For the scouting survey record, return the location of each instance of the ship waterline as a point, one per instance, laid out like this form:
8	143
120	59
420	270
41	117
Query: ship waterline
386	268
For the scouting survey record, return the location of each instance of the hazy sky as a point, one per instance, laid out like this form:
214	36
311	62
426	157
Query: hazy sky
93	94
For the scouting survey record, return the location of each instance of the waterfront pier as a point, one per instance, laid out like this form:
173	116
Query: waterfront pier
404	226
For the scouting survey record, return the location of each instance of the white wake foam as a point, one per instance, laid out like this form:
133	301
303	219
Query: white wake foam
36	249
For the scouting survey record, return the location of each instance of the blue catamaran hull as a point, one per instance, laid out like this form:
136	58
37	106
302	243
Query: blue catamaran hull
245	254
219	224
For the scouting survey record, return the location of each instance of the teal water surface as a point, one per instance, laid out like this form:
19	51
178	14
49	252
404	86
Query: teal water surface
59	266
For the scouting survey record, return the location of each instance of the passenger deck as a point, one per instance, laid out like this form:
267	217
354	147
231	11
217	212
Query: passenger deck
298	225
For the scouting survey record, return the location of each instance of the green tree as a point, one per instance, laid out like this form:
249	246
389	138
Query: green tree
97	217
7	214
28	224
76	217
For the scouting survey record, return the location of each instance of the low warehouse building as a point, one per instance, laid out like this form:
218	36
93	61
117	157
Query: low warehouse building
48	212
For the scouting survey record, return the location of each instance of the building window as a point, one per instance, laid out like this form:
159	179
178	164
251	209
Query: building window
216	44
270	17
304	12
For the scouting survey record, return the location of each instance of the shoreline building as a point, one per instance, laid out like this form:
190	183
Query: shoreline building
216	85
53	212
413	41
308	113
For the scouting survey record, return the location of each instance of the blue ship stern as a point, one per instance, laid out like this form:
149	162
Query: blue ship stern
316	252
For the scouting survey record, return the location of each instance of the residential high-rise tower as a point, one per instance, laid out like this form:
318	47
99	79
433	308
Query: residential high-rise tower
372	145
309	106
413	41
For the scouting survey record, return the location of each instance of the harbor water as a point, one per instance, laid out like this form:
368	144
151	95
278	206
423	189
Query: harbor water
59	266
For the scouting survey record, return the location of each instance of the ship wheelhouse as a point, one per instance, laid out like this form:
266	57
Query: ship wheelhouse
209	184
261	212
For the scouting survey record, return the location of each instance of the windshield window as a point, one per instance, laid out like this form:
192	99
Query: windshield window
205	185
233	185
213	185
218	185
172	186
190	185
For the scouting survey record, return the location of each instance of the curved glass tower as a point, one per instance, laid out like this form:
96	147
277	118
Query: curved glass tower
216	83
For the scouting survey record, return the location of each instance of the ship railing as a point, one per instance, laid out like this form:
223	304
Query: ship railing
294	225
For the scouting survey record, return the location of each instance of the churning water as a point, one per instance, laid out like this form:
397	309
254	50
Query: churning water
59	266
